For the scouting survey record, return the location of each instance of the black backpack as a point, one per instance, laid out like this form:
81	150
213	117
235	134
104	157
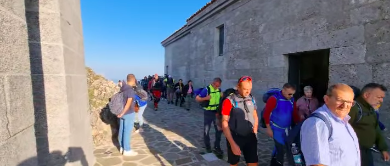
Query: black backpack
170	82
294	137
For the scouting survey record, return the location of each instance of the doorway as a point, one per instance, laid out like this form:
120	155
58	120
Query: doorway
309	68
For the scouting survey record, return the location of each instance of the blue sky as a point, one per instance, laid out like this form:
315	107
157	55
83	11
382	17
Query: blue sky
124	36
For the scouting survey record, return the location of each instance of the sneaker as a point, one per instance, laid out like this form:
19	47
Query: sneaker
130	153
155	109
188	109
121	150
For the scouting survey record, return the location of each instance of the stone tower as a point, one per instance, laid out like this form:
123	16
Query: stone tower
44	117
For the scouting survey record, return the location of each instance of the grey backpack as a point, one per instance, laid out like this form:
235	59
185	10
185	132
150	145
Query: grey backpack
116	104
142	94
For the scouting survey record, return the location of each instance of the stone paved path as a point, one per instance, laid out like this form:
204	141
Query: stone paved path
173	136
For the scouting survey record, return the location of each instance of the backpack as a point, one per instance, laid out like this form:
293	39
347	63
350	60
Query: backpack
116	103
294	137
240	126
226	93
170	82
266	96
356	91
205	103
141	93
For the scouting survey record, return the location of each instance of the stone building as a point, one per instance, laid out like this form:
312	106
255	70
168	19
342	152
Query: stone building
44	118
316	43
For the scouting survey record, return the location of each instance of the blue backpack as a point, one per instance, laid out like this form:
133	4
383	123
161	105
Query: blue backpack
266	96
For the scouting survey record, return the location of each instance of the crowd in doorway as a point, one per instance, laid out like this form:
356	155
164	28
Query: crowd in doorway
344	130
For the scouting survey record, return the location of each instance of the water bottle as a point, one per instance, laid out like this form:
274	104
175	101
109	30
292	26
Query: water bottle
296	155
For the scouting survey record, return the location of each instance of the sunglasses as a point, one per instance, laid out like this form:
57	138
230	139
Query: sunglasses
245	78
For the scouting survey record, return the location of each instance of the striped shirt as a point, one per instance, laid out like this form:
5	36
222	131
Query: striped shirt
342	148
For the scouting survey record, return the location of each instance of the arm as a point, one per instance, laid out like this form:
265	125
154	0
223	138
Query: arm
315	149
269	107
255	126
226	108
296	116
202	96
380	141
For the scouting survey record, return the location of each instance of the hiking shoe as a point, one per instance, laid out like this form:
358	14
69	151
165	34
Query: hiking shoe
208	150
218	151
130	153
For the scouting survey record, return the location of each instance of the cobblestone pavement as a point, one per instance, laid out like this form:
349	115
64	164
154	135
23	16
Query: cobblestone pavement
173	136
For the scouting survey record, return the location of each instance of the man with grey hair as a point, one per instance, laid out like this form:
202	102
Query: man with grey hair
337	145
365	122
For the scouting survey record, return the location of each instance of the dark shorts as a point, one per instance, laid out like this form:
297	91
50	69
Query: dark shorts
248	146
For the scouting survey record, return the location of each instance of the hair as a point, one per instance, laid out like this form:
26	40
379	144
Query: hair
189	81
307	88
131	77
333	87
289	86
119	81
180	80
371	86
217	79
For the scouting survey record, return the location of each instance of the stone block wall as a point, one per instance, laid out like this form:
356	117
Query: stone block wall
259	34
43	81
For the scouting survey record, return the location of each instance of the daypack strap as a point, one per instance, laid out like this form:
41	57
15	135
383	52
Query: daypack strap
326	120
360	112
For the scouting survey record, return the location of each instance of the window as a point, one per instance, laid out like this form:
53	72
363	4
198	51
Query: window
221	39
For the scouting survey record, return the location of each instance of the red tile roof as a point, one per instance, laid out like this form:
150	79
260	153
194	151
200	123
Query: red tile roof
192	16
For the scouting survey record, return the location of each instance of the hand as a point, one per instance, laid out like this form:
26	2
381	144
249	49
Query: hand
270	133
208	97
385	155
235	149
255	130
120	115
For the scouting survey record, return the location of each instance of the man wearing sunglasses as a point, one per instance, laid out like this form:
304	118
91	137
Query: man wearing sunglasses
239	123
279	112
365	122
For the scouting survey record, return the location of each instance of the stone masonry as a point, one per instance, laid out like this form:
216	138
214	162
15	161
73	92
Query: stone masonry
44	106
259	34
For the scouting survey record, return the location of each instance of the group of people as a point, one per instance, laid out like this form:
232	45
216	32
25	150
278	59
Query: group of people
167	88
353	120
342	131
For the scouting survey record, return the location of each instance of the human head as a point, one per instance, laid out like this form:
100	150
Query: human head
156	76
131	79
217	82
339	99
288	91
180	81
373	94
120	83
189	82
308	90
244	86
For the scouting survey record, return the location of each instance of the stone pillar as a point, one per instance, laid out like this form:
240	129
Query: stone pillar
43	74
17	139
